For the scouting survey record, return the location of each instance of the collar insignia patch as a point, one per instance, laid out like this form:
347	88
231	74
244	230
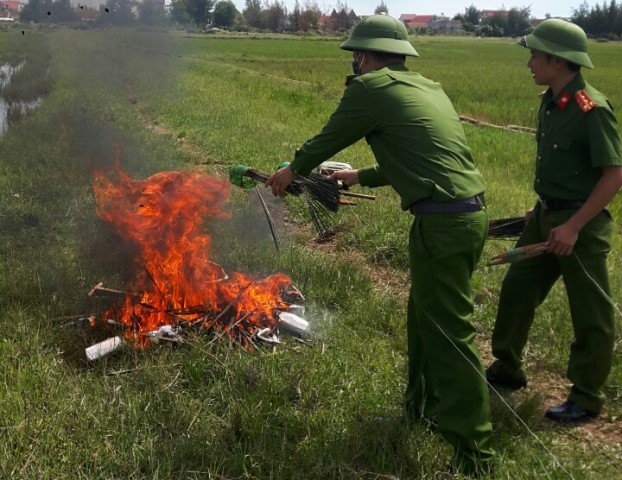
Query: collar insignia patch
562	101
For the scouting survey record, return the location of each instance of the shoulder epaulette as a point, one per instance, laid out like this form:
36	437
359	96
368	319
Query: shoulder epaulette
585	102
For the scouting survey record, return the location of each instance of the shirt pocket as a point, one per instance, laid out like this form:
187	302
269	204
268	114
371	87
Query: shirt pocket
562	157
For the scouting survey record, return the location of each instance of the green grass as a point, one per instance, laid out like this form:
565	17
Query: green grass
210	411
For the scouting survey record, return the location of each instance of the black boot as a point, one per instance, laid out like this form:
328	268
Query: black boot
508	383
569	412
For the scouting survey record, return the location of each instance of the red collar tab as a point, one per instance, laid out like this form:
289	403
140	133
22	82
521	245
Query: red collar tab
585	102
563	100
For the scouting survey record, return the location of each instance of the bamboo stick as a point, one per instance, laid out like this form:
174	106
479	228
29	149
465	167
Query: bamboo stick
520	253
99	288
271	224
358	195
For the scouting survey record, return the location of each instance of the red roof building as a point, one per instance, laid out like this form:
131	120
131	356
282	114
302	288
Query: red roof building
492	13
10	8
413	21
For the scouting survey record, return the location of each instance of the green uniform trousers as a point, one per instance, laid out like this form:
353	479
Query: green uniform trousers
445	374
527	284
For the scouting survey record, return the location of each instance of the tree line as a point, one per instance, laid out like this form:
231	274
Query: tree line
501	23
600	21
270	16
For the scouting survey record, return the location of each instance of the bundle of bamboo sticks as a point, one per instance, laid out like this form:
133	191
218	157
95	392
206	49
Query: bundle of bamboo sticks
322	194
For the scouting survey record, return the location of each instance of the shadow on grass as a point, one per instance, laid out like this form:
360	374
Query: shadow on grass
284	448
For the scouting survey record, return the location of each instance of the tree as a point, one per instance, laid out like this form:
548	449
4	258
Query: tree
224	13
612	12
605	21
472	15
179	12
252	14
275	16
150	12
63	12
470	18
340	18
518	21
32	11
44	11
310	17
199	11
294	18
493	26
382	8
117	12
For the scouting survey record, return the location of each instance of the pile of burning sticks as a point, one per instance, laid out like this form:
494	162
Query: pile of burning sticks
175	287
230	322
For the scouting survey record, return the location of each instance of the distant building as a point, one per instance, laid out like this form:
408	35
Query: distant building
445	26
413	21
9	9
323	21
493	13
88	14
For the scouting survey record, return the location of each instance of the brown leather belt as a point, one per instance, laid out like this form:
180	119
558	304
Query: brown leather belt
463	205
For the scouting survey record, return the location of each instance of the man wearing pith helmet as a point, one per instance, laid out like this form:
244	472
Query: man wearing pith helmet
421	152
578	170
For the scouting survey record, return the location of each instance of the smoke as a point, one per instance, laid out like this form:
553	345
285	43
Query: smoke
97	111
93	83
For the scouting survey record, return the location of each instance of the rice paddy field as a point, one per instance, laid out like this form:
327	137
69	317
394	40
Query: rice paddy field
158	101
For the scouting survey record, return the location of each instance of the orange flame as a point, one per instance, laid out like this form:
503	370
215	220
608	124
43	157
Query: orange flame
164	216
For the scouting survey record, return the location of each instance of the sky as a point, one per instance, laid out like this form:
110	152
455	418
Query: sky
556	8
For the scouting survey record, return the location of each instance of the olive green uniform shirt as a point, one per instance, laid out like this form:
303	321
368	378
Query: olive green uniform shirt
413	131
574	144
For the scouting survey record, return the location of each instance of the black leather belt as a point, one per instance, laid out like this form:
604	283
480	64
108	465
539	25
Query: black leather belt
463	205
556	204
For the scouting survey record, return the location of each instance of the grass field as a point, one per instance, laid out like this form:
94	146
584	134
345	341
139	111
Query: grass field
185	102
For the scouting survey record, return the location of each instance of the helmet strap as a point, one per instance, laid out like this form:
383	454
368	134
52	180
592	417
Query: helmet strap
357	63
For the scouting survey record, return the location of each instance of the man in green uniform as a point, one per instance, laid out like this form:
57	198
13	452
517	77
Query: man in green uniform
421	151
578	172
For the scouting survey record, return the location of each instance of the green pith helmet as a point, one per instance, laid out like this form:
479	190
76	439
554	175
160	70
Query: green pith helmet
380	33
559	38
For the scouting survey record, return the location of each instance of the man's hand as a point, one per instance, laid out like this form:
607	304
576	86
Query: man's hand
280	180
347	177
562	240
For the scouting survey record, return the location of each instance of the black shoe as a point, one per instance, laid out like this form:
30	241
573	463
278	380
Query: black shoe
499	382
569	412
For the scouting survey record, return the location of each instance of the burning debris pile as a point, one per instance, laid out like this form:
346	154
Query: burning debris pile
178	286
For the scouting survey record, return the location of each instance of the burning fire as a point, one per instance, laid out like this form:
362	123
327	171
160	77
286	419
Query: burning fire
163	216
